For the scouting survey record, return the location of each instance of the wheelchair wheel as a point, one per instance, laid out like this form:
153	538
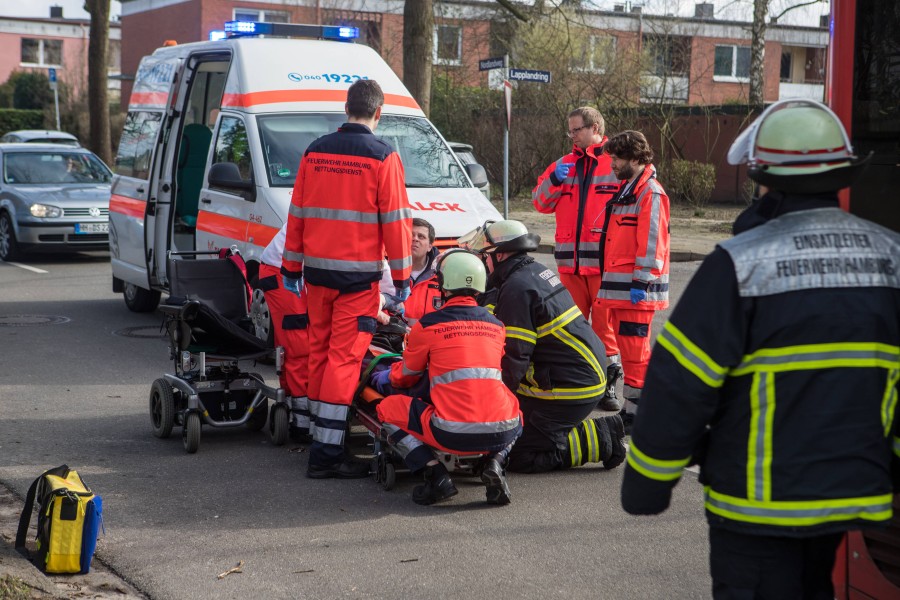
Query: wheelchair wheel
162	408
279	425
390	477
190	433
259	417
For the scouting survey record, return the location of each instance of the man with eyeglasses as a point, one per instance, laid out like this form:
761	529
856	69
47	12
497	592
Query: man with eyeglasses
576	188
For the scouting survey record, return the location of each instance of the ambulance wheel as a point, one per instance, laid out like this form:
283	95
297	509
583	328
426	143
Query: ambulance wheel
279	425
190	433
389	476
162	408
259	417
262	318
137	299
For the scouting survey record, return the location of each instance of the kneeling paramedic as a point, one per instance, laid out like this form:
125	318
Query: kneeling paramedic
289	321
458	348
778	370
554	361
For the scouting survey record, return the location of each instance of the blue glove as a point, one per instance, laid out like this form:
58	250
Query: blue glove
381	379
562	171
638	295
403	293
292	285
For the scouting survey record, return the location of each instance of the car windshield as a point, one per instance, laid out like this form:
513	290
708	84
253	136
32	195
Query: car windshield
427	162
53	168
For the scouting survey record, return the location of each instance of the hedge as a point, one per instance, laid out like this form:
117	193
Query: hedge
12	119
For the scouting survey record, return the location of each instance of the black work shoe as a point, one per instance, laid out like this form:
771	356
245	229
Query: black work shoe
610	400
437	488
494	478
617	431
348	469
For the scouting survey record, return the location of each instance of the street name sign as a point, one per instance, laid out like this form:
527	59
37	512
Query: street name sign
490	63
529	75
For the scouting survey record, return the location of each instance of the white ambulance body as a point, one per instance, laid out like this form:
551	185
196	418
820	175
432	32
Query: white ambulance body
213	139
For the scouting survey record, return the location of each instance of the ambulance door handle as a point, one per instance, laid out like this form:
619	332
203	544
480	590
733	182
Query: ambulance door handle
205	200
140	190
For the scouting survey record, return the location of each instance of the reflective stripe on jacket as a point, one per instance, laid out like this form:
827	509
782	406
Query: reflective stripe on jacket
635	246
459	348
349	207
551	351
786	343
578	202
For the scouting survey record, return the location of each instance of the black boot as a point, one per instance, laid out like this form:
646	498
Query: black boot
610	400
616	429
627	420
437	488
494	478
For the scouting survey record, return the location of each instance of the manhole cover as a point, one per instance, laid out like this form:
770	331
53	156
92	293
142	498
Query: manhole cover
30	320
147	332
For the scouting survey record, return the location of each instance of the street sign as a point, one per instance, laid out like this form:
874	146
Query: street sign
490	63
529	75
51	75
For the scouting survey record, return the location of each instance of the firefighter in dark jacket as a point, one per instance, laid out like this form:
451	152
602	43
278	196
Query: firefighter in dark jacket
554	362
778	370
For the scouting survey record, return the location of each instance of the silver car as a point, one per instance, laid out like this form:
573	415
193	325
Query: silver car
40	136
52	199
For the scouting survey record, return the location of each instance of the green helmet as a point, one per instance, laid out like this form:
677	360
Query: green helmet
500	236
460	272
797	146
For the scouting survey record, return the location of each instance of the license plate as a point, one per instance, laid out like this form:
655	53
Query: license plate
92	228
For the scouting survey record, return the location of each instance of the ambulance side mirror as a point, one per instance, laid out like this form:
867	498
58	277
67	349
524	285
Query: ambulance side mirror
227	175
477	174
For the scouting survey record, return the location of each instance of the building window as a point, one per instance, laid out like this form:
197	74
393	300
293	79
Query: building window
261	16
447	45
668	55
786	62
41	52
596	53
732	63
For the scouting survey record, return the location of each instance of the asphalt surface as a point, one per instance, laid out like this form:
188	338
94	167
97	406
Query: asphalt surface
74	382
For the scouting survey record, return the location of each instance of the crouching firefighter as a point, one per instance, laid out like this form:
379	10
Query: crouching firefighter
554	361
458	348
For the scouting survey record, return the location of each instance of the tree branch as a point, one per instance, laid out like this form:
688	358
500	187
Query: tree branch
790	8
515	11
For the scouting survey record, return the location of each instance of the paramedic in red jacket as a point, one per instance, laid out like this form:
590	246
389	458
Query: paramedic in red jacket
458	348
289	323
634	250
348	208
577	188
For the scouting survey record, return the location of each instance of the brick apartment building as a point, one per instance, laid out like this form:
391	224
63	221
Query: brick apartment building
695	60
37	44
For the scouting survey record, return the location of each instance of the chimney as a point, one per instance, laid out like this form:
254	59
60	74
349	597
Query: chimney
704	10
619	8
636	10
56	12
824	21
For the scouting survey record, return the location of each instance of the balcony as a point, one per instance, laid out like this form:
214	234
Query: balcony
808	91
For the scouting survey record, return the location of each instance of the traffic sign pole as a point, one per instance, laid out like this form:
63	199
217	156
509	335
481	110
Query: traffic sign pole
51	75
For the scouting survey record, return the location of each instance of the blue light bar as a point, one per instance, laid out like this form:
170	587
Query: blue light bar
254	28
216	34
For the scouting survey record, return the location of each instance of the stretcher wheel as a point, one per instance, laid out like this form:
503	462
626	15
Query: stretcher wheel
390	477
259	417
279	425
190	433
162	408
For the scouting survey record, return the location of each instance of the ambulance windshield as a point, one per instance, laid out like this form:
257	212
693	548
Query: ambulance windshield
427	161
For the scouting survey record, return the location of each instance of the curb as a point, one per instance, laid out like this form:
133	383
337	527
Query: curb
674	255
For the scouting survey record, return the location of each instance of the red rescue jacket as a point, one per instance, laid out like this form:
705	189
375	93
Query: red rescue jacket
635	246
578	201
348	209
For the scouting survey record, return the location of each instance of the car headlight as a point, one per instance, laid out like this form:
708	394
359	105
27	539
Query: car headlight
44	211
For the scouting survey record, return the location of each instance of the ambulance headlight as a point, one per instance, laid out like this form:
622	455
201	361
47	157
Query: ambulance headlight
45	212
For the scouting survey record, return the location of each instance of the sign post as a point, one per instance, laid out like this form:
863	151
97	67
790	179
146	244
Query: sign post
51	75
516	75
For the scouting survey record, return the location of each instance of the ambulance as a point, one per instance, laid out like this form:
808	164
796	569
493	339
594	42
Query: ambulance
213	139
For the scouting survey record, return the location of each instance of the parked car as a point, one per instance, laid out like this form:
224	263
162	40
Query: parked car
52	199
466	156
40	136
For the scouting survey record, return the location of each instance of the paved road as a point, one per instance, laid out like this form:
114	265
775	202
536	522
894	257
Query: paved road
74	381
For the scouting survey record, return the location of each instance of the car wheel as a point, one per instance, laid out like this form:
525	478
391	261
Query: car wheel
262	318
137	299
9	248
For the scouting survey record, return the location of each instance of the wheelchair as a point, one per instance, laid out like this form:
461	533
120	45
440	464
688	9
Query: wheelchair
210	336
